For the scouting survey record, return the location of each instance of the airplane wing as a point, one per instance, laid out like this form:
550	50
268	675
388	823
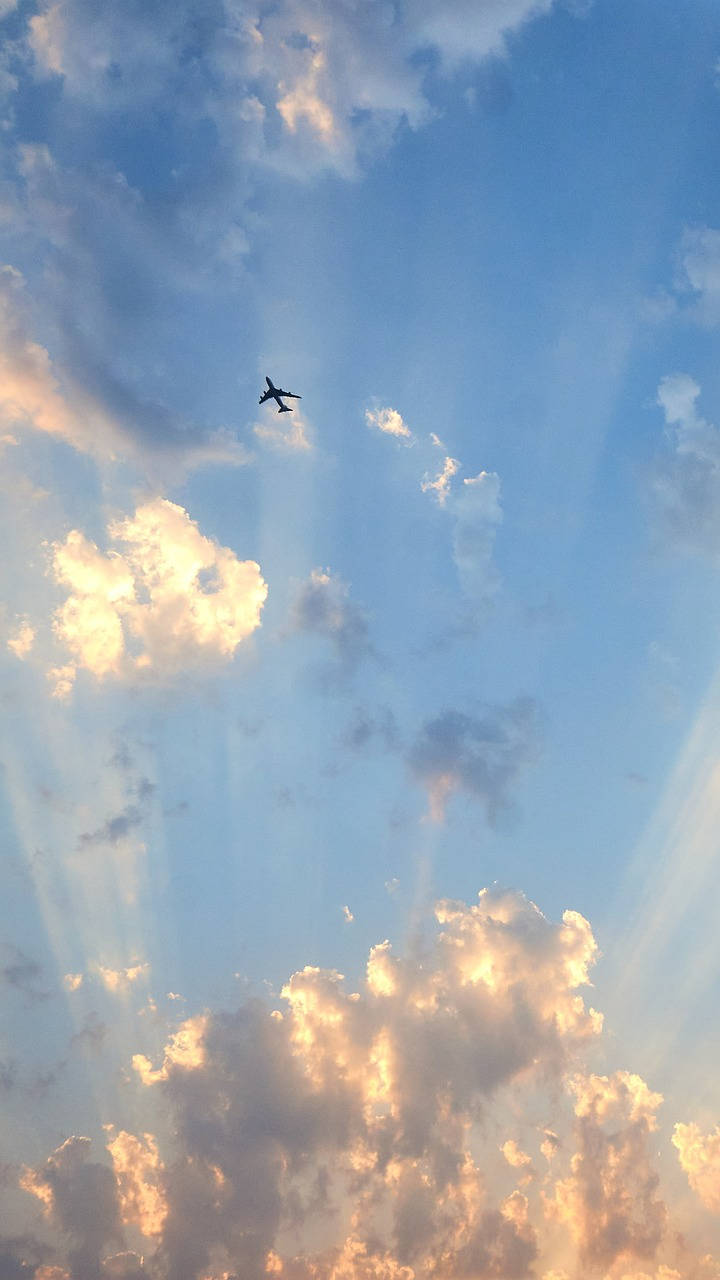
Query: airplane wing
284	408
289	395
268	396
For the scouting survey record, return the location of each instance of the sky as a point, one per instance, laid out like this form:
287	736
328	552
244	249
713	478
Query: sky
360	766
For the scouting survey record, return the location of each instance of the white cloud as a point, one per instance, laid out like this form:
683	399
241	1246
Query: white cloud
440	486
293	438
171	600
21	639
120	980
390	422
699	1156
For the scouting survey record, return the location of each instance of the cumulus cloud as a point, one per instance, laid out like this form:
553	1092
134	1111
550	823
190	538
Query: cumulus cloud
350	1133
481	754
390	422
610	1200
323	606
172	600
440	485
686	483
80	1196
699	1156
120	980
21	638
139	1171
377	1088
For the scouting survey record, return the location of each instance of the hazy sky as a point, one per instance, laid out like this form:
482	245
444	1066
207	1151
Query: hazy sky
360	766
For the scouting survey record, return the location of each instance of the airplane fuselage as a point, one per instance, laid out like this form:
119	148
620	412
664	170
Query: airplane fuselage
275	393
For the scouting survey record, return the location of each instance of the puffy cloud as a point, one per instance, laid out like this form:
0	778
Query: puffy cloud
610	1200
440	486
138	1170
80	1195
686	484
323	605
369	1094
21	640
481	754
390	422
118	980
350	1134
699	1156
73	981
172	600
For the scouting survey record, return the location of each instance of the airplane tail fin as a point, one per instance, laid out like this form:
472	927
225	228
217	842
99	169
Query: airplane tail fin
284	408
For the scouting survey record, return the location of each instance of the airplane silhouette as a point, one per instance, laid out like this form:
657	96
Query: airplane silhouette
274	393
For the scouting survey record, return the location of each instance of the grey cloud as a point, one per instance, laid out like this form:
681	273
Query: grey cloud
685	483
323	606
366	728
281	1116
477	512
481	753
23	973
84	1203
699	259
114	829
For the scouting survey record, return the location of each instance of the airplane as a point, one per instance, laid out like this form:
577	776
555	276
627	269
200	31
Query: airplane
275	393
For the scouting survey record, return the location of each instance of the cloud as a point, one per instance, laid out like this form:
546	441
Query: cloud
323	606
35	393
376	1087
390	422
21	640
293	438
172	600
119	980
440	486
80	1196
477	513
366	728
686	483
610	1201
350	1133
139	1170
699	257
481	754
699	1156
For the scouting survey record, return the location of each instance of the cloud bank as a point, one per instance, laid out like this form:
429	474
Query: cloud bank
384	1132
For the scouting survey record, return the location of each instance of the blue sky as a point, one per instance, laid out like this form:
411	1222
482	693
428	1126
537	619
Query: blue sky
282	700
